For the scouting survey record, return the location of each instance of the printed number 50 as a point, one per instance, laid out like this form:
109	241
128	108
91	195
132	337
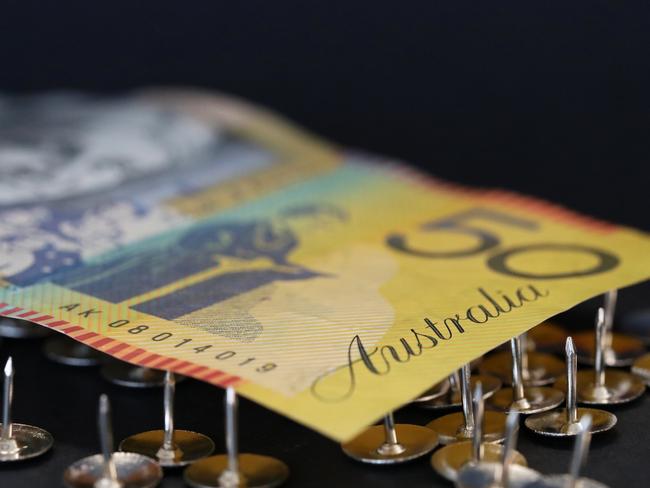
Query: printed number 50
487	240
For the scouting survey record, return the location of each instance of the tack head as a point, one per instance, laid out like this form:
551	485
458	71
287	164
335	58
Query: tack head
542	369
487	475
564	480
415	440
26	442
133	471
257	471
546	337
436	391
70	352
641	368
21	329
450	428
452	399
554	423
637	324
536	399
619	387
189	447
448	460
623	351
128	375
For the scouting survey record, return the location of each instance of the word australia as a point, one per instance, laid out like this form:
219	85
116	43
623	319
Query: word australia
379	360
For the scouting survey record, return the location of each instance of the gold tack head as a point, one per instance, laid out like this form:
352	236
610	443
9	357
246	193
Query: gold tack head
448	460
368	447
70	352
133	470
188	447
536	399
619	387
254	470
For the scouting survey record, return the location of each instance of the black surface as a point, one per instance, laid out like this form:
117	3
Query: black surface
548	98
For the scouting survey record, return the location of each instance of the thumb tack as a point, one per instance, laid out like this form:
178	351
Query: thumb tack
566	421
235	470
602	386
18	441
526	400
618	349
459	426
112	469
537	368
580	451
67	351
452	397
171	447
504	474
390	443
451	458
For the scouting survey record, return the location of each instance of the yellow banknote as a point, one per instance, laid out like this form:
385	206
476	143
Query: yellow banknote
325	285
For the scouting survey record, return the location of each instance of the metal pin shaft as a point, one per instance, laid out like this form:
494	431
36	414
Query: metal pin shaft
232	446
477	437
580	450
170	388
509	446
454	381
610	308
572	388
389	429
106	438
523	338
466	398
599	367
517	380
7	398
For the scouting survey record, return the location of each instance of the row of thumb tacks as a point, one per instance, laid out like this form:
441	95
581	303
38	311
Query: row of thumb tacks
472	456
141	457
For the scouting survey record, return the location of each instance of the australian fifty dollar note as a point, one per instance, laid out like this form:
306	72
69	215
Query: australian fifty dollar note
193	232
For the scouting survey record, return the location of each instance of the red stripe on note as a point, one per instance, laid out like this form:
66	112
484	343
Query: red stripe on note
195	370
164	363
132	354
182	364
12	310
102	342
27	314
213	375
231	381
57	323
70	330
115	349
42	318
149	359
86	336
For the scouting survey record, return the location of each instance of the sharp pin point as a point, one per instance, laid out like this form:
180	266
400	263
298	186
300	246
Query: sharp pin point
18	441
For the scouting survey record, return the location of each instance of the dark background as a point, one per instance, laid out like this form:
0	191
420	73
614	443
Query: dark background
548	98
